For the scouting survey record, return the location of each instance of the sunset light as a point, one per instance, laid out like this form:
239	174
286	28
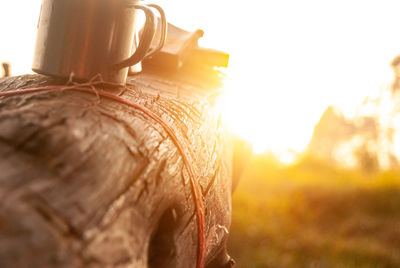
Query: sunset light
289	60
254	134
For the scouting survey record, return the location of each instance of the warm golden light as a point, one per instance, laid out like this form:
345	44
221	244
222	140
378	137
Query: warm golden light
309	85
289	59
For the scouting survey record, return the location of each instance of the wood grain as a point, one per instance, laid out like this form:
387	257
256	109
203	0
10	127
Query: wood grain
88	182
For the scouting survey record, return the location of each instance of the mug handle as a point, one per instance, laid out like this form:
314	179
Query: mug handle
163	36
148	34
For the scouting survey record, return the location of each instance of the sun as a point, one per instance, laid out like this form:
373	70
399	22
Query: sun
263	115
289	60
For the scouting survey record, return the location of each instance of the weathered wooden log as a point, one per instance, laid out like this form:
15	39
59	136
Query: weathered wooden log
89	182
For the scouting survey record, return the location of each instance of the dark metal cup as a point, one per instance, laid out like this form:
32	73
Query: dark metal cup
85	38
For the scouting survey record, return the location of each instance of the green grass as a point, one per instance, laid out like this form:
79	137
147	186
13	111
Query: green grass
314	215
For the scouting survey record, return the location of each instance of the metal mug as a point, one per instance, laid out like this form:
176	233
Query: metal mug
85	38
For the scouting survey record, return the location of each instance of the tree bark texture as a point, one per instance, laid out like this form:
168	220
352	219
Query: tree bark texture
89	182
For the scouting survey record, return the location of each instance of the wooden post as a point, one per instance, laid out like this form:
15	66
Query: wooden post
89	182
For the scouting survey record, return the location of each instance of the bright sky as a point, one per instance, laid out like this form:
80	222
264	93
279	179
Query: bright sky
289	59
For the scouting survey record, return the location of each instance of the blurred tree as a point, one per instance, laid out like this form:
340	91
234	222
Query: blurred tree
367	159
331	130
395	64
338	139
371	138
6	69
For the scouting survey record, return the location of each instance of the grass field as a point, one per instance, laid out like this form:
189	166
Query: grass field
314	215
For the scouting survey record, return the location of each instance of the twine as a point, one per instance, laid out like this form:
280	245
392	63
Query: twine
89	87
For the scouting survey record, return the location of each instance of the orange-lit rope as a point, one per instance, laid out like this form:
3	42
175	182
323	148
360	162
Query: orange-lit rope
197	194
